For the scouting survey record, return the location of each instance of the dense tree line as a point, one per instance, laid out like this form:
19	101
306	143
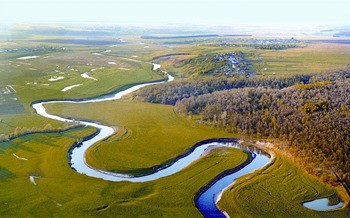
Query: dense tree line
310	119
170	93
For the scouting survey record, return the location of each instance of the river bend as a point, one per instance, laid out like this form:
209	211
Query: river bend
206	198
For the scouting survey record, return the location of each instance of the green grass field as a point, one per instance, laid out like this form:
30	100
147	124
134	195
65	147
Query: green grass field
60	191
30	79
315	58
154	135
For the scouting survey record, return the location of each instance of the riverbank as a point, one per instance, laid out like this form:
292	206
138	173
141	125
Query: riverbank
20	132
208	196
266	148
280	182
339	189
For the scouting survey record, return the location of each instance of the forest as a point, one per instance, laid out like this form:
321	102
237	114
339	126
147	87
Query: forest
307	116
170	93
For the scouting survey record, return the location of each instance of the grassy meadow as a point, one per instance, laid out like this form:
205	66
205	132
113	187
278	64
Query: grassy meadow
151	134
314	58
60	191
47	75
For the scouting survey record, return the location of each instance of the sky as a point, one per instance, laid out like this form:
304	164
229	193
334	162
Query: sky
192	12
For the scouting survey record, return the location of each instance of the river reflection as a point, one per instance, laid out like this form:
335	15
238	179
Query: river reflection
78	163
208	196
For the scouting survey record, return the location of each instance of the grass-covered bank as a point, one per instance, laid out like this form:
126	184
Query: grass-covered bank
154	135
277	191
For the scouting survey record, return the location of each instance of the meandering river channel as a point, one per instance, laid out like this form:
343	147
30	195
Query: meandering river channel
206	198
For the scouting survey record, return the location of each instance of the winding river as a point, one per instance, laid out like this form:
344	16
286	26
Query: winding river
206	197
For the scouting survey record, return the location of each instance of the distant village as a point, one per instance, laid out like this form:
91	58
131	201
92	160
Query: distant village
232	64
